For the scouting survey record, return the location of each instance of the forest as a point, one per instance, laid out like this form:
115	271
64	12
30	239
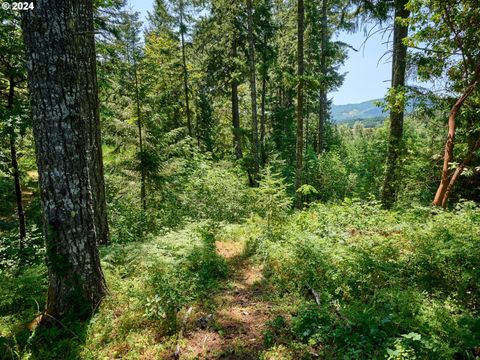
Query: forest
175	187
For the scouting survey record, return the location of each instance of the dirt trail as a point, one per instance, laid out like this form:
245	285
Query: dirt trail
234	330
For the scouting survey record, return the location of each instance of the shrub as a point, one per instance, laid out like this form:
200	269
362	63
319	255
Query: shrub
381	276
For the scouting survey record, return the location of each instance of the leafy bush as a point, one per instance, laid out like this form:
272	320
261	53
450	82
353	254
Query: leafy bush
149	283
13	258
272	202
179	284
333	177
186	192
218	192
381	275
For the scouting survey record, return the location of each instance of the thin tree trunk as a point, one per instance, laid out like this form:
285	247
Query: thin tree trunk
263	119
253	94
185	73
449	145
322	120
300	71
322	115
88	71
16	172
143	192
399	65
237	136
59	39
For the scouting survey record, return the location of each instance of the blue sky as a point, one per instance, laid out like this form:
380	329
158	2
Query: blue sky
367	77
368	70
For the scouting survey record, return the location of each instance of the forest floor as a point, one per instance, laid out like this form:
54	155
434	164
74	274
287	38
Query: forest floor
391	283
234	329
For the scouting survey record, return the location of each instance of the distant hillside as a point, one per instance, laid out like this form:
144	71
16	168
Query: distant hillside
353	112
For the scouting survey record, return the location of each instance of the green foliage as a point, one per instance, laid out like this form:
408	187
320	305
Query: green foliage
174	289
7	196
149	283
333	178
380	275
275	329
205	121
272	202
405	347
372	122
355	164
215	191
187	280
13	258
397	284
310	321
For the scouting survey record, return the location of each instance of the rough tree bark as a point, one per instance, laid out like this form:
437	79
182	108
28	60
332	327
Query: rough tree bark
446	182
399	65
60	49
300	71
237	136
253	95
16	172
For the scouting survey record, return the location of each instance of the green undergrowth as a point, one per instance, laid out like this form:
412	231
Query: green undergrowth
397	284
390	284
150	283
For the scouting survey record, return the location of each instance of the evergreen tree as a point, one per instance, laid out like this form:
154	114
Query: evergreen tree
66	128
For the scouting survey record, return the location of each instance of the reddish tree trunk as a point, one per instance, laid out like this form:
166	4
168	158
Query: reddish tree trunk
458	171
439	199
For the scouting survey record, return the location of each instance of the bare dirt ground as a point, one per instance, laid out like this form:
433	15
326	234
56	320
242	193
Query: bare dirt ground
233	329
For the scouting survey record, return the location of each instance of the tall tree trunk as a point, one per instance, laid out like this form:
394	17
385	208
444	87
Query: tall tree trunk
253	94
322	120
300	71
440	199
322	115
88	72
237	136
143	192
185	73
263	119
399	65
16	172
59	39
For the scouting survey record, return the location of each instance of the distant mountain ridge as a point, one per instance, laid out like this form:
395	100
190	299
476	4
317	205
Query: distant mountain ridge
361	111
